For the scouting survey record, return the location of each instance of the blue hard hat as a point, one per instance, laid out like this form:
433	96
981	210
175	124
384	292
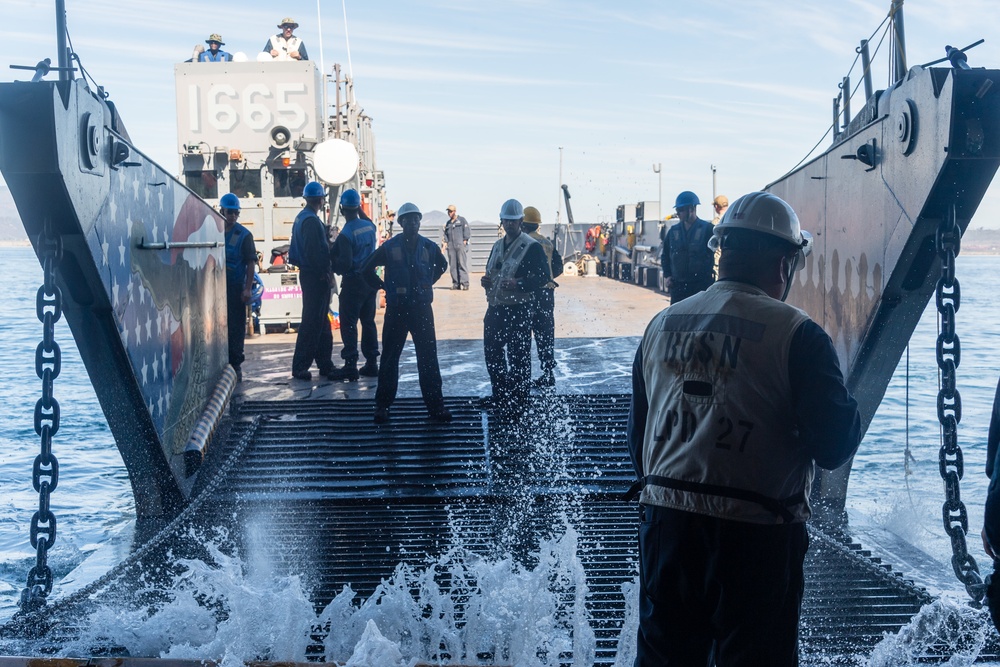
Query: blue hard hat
686	198
314	189
511	210
230	201
350	199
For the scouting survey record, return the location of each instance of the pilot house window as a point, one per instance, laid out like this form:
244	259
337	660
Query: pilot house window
244	182
289	182
205	184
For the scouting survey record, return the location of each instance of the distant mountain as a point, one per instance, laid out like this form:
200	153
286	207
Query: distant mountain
10	221
432	223
981	241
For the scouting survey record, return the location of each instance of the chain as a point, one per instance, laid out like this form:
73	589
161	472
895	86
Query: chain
45	471
37	624
949	407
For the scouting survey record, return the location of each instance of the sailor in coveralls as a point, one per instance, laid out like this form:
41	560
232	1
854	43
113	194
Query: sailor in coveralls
736	395
543	322
688	265
241	258
515	271
310	251
455	241
352	248
413	264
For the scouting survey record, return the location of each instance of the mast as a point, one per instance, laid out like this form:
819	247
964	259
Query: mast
899	52
64	66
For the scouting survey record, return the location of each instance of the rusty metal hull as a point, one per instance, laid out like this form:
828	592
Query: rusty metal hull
936	144
150	324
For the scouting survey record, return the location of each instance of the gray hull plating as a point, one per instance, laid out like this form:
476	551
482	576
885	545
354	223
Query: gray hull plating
150	323
935	143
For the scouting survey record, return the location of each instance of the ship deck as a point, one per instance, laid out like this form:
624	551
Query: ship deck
395	493
311	482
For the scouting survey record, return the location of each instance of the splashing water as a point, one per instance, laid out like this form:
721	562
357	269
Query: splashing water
944	628
628	640
213	611
461	608
496	611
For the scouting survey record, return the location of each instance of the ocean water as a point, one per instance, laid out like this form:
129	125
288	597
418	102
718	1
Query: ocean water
889	489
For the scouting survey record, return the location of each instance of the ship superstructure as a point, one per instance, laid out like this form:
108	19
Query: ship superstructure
261	131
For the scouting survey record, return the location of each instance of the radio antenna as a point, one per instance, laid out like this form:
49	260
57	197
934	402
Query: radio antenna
322	69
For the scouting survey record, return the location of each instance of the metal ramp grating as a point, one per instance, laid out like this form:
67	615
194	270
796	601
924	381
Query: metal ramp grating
382	495
332	497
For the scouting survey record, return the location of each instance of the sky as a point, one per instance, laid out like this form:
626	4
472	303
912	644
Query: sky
472	100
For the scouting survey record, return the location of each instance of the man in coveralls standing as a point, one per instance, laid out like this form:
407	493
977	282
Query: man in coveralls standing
515	271
735	396
412	264
310	251
352	248
688	264
455	240
241	257
543	322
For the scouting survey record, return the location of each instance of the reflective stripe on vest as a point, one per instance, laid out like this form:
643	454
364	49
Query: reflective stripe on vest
502	265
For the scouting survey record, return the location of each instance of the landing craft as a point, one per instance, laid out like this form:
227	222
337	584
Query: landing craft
136	257
261	131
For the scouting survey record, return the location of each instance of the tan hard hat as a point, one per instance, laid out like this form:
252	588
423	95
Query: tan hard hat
215	37
532	216
288	21
721	201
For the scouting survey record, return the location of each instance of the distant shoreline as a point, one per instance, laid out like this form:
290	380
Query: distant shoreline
978	251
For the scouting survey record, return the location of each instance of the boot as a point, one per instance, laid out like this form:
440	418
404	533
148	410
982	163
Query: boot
547	379
348	372
370	369
381	415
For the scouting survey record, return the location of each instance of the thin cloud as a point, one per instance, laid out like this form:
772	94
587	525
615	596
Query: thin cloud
426	75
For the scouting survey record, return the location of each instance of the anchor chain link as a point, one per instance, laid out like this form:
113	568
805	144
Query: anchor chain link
948	297
45	470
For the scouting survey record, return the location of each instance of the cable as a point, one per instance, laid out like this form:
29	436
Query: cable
99	90
347	41
858	85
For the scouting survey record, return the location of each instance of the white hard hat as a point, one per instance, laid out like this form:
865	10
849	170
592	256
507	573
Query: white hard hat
408	208
768	214
511	210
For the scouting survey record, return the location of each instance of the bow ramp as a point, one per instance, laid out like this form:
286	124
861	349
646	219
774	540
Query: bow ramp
430	513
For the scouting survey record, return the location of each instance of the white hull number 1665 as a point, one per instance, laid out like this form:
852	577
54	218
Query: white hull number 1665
256	106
